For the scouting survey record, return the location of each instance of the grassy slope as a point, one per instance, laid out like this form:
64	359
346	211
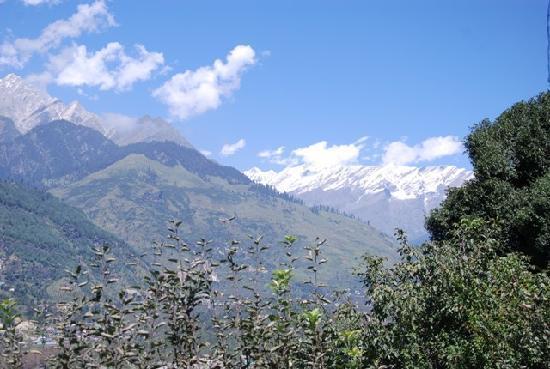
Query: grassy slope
136	197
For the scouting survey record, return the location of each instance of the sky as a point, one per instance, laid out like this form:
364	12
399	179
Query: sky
279	83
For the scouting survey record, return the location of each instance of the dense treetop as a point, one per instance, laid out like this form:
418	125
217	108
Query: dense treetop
511	160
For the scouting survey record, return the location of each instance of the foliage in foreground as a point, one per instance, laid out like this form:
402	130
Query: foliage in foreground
451	304
458	304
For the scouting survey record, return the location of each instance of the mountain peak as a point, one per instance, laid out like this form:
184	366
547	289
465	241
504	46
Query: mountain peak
11	78
75	105
13	81
20	100
125	130
28	106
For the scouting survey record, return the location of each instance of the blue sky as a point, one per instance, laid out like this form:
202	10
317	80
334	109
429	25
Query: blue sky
399	72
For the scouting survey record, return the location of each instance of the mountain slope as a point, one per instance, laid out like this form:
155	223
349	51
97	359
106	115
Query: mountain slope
40	236
8	132
134	190
136	197
385	196
55	150
60	151
144	129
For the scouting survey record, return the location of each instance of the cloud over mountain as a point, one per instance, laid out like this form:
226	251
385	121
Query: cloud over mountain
108	68
317	155
275	156
400	153
321	155
197	91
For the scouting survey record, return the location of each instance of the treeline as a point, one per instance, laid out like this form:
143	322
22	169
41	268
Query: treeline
329	209
269	191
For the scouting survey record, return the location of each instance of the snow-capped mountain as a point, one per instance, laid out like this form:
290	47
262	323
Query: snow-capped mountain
28	106
387	196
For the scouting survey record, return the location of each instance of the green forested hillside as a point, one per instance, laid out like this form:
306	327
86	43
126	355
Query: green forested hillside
40	237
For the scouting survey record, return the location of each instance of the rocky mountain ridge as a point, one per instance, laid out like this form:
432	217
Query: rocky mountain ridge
387	196
29	106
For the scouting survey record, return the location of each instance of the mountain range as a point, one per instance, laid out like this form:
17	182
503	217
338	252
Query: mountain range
130	177
386	197
131	186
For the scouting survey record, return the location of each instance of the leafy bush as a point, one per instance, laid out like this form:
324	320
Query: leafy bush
457	304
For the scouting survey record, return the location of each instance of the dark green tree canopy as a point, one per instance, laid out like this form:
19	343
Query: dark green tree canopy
511	160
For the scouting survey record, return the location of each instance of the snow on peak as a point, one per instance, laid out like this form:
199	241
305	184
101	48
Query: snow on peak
19	100
402	182
29	106
387	196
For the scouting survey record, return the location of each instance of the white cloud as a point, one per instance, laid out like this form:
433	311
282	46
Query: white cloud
137	69
230	149
320	154
399	153
40	2
267	154
197	91
275	156
206	152
92	97
108	68
88	18
39	81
